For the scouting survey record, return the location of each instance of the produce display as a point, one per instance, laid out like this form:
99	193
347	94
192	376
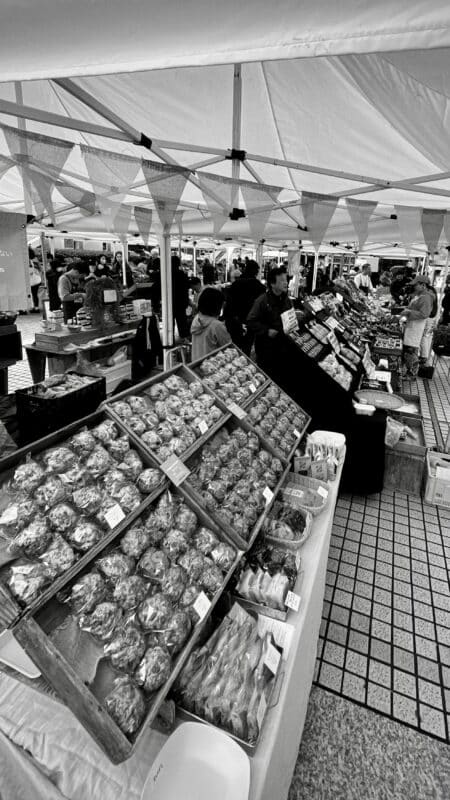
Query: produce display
169	416
350	355
269	574
58	502
60	385
335	370
307	343
227	681
231	375
285	523
230	476
319	331
276	418
139	598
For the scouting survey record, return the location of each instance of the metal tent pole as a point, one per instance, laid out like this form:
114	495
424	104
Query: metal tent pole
316	262
166	295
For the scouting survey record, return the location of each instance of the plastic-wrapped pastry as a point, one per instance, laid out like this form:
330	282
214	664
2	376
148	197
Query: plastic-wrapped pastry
193	562
58	557
119	447
98	461
131	465
122	409
161	409
154	612
151	420
186	520
103	620
148	480
53	491
87	592
82	443
153	564
59	459
151	440
211	579
84	535
136	424
28	579
126	648
27	476
137	404
126	705
164	513
205	540
114	476
135	541
129	592
106	431
32	540
154	669
158	392
223	556
175	543
62	517
176	632
173	582
115	565
87	500
189	597
127	495
76	477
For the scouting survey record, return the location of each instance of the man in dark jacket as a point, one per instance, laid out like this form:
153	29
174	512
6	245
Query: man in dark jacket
239	300
180	297
264	320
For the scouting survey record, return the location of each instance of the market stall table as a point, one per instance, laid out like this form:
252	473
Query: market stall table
66	763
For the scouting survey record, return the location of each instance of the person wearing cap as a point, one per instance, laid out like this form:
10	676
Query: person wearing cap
415	316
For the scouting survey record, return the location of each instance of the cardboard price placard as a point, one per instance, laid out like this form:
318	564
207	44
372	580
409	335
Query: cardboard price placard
202	605
237	411
114	515
289	320
319	470
272	659
175	470
292	601
202	426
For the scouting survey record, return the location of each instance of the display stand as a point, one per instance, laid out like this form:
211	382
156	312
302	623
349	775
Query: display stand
70	752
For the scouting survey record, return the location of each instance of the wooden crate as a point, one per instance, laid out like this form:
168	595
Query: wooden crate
56	341
405	463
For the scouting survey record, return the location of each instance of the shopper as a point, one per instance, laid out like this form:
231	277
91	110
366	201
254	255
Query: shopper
69	292
240	298
35	282
445	319
415	317
430	323
102	270
363	280
180	297
264	319
53	275
207	332
117	271
208	273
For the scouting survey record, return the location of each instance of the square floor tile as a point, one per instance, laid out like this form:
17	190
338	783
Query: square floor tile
441	601
403	639
428	670
354	687
404	709
402	620
380	673
405	683
347	570
330	676
334	654
379	698
443	635
382	596
382	612
404	660
356	662
359	642
432	721
424	628
330	578
381	630
423	595
349	558
337	633
339	614
363	589
402	588
442	617
402	603
383	582
424	611
384	569
360	622
425	647
342	598
345	583
362	604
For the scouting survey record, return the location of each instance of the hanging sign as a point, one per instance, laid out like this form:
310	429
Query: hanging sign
289	320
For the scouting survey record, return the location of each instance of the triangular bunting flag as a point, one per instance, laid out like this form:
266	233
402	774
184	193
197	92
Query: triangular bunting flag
360	212
110	171
218	193
41	194
116	216
78	197
258	197
5	165
409	225
317	210
166	185
432	223
143	218
178	221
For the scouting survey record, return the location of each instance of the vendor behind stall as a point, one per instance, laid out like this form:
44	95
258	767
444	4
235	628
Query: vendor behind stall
264	319
363	280
69	292
415	316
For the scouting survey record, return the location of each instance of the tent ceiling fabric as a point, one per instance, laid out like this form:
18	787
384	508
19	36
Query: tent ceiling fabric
372	105
54	38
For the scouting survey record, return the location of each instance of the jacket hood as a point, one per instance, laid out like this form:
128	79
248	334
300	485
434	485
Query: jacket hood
200	323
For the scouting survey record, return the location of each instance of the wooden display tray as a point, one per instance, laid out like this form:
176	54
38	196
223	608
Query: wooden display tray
285	458
55	342
85	698
194	366
12	609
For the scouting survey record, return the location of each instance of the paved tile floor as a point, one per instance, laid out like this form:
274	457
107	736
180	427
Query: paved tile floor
19	376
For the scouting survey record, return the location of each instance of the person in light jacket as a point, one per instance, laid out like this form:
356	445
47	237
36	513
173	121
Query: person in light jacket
415	317
208	333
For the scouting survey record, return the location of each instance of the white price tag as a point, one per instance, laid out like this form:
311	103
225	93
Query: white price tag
323	492
297	433
382	376
237	410
332	323
282	632
289	320
202	426
272	659
114	515
339	297
268	495
261	712
202	605
252	388
292	601
175	469
298	560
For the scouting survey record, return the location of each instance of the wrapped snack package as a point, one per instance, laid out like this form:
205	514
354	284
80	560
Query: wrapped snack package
126	648
177	631
205	540
153	564
126	705
87	500
103	620
129	592
87	592
119	447
193	562
154	612
83	443
106	431
53	491
58	557
175	543
62	517
98	461
127	495
154	669
28	476
84	535
131	465
115	565
223	556
135	541
32	540
28	579
59	459
173	582
148	480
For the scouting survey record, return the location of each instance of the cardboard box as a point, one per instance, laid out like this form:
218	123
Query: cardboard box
437	487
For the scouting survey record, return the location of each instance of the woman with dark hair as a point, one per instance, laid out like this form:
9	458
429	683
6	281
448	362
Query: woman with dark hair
240	298
207	332
102	270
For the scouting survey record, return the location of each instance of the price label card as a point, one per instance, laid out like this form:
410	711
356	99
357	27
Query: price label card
114	515
175	470
302	463
298	560
289	320
236	410
9	515
268	495
203	426
382	376
252	387
202	605
339	297
292	601
282	632
261	712
297	433
323	492
332	323
272	659
319	470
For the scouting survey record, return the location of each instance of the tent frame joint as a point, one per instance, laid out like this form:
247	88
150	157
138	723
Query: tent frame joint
236	155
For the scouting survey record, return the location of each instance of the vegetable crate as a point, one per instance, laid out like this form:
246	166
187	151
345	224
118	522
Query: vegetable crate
231	375
38	413
405	463
83	660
